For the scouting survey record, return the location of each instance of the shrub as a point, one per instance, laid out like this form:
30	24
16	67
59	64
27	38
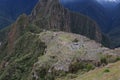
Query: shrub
74	67
106	70
83	66
89	67
118	59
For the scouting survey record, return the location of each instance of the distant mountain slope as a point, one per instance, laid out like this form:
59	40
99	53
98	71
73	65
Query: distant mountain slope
115	36
10	10
114	31
92	9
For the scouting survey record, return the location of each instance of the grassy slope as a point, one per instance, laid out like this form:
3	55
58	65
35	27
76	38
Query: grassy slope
109	72
99	74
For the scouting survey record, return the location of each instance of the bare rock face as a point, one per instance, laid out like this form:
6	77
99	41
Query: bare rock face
49	14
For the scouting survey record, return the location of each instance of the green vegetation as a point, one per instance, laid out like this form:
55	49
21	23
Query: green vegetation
103	60
19	64
118	59
106	70
90	67
83	66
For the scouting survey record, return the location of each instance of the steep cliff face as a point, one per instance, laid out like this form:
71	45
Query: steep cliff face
49	14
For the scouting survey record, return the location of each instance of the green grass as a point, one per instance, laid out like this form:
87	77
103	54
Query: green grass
113	73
